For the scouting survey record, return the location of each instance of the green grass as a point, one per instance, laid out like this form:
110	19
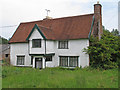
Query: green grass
22	77
0	76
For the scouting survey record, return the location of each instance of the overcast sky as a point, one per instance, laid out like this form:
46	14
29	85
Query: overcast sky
13	12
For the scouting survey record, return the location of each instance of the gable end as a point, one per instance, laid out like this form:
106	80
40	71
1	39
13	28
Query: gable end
36	27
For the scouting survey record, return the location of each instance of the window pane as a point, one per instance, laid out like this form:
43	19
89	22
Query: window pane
36	42
66	44
20	60
48	58
64	61
63	44
73	61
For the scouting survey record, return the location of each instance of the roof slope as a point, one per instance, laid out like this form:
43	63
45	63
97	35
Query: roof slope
74	27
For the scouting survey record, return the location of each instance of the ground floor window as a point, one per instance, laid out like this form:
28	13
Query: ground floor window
20	60
64	61
73	61
48	58
69	61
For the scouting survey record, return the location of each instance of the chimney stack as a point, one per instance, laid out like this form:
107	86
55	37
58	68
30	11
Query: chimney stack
98	20
47	17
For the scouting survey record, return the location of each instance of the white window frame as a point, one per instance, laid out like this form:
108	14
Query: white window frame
68	63
33	42
21	63
63	44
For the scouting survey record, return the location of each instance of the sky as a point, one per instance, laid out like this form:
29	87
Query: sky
119	17
13	12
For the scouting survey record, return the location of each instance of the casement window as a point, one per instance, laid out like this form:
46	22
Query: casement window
36	43
20	60
63	44
73	61
48	58
70	61
64	61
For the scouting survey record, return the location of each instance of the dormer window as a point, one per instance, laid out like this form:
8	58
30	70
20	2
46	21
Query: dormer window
36	43
63	44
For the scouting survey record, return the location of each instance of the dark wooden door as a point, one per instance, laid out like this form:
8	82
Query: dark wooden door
38	63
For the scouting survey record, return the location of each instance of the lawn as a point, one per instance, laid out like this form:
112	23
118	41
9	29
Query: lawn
24	77
0	76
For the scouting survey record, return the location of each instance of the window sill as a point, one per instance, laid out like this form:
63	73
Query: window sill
20	65
24	65
63	48
68	67
36	47
48	61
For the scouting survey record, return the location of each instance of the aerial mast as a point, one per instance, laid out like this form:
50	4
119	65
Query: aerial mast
47	11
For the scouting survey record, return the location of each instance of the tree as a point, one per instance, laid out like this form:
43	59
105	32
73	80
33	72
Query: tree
3	40
104	53
115	32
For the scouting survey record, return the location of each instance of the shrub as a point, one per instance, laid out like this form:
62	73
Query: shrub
104	53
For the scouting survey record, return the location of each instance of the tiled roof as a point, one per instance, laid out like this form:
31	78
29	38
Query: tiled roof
75	27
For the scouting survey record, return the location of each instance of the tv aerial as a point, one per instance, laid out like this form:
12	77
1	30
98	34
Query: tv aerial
47	11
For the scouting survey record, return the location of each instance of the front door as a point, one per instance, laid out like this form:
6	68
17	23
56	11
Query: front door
38	63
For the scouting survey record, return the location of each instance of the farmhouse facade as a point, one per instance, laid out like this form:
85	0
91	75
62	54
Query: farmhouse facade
55	42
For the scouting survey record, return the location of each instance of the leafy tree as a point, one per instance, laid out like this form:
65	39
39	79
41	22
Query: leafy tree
115	32
104	53
3	40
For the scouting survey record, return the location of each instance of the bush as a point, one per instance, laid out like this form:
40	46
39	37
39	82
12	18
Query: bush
104	53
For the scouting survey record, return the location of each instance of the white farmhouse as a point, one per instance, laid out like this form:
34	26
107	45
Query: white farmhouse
55	42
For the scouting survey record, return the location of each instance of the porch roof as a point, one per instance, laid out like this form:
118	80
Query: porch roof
48	54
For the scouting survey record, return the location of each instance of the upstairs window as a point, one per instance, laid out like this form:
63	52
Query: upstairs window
63	45
36	43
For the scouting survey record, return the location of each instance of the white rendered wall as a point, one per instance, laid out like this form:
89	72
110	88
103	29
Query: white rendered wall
75	49
49	47
49	44
36	35
19	49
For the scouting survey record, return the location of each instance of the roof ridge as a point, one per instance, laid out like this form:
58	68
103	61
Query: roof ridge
74	16
43	26
72	27
58	18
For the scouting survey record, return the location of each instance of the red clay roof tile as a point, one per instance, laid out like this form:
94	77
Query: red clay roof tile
75	27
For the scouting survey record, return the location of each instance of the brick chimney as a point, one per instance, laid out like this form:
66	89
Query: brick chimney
47	17
98	21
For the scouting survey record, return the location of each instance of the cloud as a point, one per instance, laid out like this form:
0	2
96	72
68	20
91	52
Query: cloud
119	16
16	11
110	15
